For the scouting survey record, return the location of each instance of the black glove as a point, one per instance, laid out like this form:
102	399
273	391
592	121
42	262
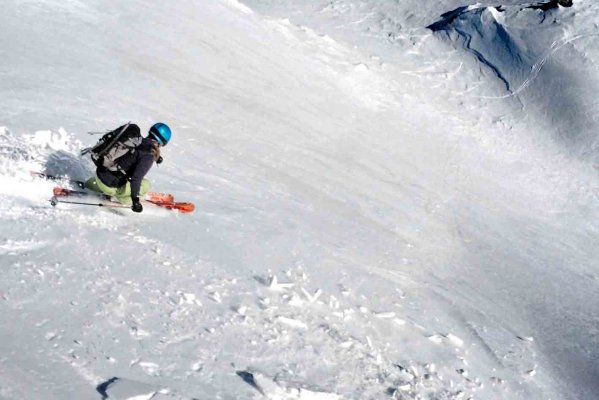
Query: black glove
136	206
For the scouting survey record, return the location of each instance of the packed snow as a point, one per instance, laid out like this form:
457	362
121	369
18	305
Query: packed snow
393	200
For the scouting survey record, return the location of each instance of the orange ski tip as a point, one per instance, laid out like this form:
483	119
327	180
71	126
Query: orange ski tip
185	207
160	197
181	207
58	191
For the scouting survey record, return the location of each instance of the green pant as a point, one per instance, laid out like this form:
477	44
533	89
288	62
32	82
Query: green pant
122	194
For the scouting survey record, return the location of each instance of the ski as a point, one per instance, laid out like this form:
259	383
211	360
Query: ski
152	197
182	207
42	175
63	192
163	200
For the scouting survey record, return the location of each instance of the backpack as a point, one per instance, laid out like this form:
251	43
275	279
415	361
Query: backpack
114	145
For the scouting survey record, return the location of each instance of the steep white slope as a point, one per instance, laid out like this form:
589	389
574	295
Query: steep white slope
531	71
355	237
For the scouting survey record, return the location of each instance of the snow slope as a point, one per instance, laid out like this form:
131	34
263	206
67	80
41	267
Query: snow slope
378	216
552	75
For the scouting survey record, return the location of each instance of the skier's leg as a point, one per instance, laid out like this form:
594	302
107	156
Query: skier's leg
92	185
144	188
123	194
96	185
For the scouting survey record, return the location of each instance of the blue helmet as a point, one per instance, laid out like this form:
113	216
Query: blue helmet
161	132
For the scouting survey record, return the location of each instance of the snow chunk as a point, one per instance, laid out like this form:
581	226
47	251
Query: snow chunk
197	366
526	338
215	296
405	387
277	390
189	298
455	340
124	389
275	286
292	322
497	381
312	297
531	372
138	332
385	315
438	339
149	368
241	310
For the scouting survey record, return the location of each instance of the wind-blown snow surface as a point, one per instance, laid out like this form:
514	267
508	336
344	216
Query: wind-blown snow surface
378	215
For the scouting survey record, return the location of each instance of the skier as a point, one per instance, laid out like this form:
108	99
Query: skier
128	183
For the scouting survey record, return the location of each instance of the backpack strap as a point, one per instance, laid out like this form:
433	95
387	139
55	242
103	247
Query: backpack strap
112	142
132	145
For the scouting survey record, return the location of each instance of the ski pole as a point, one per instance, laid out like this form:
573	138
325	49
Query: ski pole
54	202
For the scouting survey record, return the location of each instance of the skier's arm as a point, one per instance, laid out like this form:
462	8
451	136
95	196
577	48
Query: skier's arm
142	168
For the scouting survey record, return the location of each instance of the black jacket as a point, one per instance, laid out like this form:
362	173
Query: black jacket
136	165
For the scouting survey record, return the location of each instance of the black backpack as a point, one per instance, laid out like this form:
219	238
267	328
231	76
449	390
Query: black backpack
114	145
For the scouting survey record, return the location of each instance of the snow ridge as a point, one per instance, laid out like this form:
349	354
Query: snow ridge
528	50
475	23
